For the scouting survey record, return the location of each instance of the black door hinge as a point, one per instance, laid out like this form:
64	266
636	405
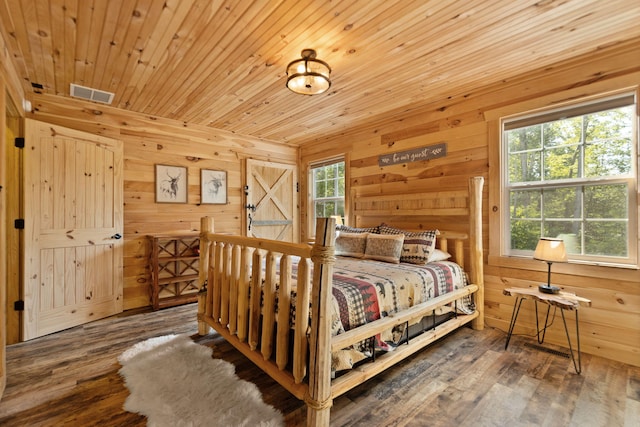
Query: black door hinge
18	305
297	187
19	224
19	142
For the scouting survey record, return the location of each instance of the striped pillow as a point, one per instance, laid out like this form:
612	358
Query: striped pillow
347	229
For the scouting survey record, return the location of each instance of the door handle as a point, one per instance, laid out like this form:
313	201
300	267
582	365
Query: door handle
117	236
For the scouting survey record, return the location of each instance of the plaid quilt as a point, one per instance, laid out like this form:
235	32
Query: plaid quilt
367	290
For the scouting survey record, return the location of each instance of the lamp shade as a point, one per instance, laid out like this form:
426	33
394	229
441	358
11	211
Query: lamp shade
308	75
550	250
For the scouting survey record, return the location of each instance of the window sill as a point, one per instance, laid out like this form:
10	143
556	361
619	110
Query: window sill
573	268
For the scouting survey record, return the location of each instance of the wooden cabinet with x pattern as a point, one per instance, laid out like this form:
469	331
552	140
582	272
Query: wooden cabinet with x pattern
174	269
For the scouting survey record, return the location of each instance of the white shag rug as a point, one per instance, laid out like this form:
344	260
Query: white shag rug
175	382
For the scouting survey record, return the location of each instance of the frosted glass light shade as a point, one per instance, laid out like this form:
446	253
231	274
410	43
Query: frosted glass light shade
308	75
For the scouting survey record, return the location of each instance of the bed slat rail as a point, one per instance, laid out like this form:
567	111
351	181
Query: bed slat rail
410	315
413	204
367	371
457	240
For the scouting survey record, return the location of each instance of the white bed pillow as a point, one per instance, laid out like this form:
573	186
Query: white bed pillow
438	255
384	247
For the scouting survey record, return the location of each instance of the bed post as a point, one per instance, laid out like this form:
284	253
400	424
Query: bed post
475	247
318	398
351	213
206	226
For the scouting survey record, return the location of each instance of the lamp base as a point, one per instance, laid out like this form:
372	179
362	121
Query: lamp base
548	289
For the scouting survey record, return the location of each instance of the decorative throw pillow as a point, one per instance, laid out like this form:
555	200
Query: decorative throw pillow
384	247
351	244
438	255
347	229
417	245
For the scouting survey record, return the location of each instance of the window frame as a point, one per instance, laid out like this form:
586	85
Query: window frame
578	108
311	188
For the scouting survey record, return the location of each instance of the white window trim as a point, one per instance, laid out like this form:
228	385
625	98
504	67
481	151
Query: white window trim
497	254
311	214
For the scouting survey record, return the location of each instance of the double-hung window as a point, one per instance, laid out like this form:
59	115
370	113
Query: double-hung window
327	189
572	173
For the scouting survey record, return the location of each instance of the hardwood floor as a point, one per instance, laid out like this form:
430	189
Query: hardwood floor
466	379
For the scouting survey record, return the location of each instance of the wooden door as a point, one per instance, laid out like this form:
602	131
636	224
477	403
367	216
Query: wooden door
5	137
73	227
272	200
3	252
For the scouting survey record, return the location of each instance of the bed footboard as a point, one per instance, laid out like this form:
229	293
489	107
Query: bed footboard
245	281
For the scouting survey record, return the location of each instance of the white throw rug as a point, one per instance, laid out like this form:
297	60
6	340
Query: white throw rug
175	382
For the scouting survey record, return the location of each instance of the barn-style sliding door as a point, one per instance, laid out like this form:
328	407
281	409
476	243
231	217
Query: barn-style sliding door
73	227
272	200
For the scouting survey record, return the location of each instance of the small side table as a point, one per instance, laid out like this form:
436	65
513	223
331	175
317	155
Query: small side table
563	300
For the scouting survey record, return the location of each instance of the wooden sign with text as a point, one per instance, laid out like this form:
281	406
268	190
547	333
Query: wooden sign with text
415	155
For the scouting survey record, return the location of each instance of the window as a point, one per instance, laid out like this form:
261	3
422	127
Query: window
571	174
327	183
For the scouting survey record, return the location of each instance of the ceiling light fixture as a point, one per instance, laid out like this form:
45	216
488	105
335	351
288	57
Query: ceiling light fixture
308	75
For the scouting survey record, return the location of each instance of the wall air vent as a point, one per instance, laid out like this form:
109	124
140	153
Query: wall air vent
91	94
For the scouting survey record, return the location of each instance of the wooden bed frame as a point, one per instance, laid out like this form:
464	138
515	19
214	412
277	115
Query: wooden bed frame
231	268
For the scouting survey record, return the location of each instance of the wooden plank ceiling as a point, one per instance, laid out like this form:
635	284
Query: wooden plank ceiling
222	63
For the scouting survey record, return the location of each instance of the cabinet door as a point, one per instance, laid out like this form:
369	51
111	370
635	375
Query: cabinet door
73	227
174	264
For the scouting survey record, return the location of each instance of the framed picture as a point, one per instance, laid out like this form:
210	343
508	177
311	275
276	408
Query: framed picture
213	187
171	184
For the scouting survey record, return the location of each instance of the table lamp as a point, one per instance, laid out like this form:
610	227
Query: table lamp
550	250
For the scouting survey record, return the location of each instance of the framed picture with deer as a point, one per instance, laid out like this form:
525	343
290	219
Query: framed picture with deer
171	184
213	187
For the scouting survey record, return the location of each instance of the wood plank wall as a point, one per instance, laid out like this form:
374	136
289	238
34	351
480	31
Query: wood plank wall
469	125
149	141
